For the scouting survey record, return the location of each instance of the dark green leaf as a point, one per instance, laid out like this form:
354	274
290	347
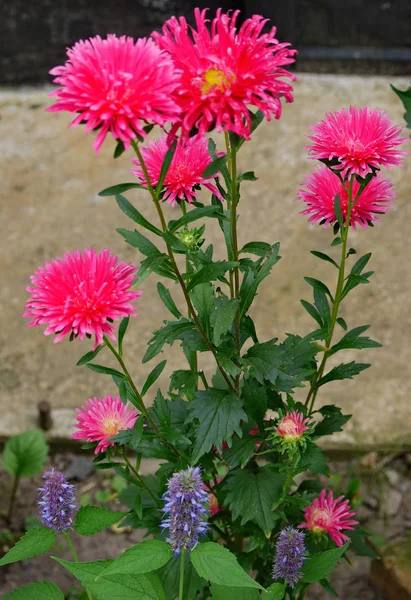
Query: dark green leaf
219	414
224	320
144	557
276	591
219	565
193	215
405	97
170	577
89	356
40	590
33	543
327	586
313	460
92	519
119	149
343	371
174	242
168	302
250	496
324	257
312	311
121	333
164	169
25	454
318	567
336	241
247	176
341	322
159	264
255	400
252	280
338	213
359	543
152	378
184	382
240	452
222	592
137	240
333	420
215	167
258	248
318	285
168	334
131	211
115	190
353	339
211	272
104	370
203	299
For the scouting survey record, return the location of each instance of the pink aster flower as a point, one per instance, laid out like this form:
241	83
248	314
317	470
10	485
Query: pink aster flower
100	419
292	426
326	515
116	85
185	172
322	186
359	139
225	70
81	294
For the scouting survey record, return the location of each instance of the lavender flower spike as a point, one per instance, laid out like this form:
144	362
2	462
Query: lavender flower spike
186	507
290	556
57	501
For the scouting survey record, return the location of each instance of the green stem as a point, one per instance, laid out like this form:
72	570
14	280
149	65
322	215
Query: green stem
13	496
236	275
137	394
139	478
74	554
337	301
181	588
176	269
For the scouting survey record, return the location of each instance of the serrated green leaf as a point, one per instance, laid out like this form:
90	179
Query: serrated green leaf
40	590
218	565
115	190
333	420
144	557
222	592
353	339
215	167
313	460
184	382
92	519
405	97
257	248
224	320
255	399
240	452
251	495
252	280
219	414
194	215
33	543
168	302
24	454
105	370
318	567
276	591
202	298
89	356
114	587
131	212
168	334
211	272
138	240
343	371
152	378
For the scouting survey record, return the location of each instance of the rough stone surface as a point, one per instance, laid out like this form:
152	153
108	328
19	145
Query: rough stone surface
50	179
392	574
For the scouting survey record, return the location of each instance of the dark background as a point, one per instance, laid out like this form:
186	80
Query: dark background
358	36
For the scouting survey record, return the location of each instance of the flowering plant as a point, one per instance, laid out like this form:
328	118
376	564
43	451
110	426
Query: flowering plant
235	506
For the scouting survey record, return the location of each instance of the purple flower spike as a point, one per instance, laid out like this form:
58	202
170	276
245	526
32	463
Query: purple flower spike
57	502
186	507
290	556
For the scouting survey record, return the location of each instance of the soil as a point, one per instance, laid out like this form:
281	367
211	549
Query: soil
384	509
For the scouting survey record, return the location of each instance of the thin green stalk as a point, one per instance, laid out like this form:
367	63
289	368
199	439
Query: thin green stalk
236	274
74	554
137	394
337	301
140	479
176	269
181	588
13	496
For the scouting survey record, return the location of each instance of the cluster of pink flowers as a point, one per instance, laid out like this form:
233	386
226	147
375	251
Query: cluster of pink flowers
354	144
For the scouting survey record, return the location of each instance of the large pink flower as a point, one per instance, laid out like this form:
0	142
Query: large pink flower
326	515
100	419
291	427
185	172
358	139
117	85
81	294
225	71
322	186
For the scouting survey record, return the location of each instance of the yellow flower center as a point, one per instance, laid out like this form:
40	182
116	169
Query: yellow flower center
111	426
215	78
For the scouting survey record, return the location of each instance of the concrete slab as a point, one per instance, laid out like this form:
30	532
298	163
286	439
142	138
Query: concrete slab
50	178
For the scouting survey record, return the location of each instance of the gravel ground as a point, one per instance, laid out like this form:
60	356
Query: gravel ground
385	510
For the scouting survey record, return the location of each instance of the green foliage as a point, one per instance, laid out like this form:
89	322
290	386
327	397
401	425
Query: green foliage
168	334
250	496
131	212
218	414
343	371
255	274
153	376
222	592
218	565
224	320
92	519
33	543
170	577
353	339
41	590
318	567
144	557
276	591
333	420
405	97
25	454
89	356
